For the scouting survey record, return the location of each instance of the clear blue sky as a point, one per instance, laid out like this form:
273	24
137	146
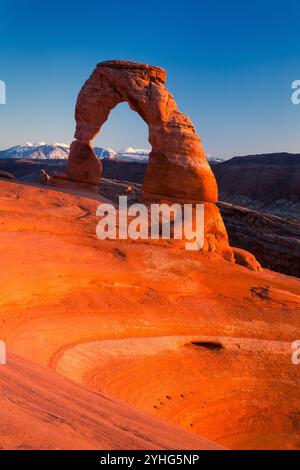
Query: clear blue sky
230	66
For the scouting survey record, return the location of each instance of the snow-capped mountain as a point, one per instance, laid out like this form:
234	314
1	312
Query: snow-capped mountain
131	154
214	160
104	153
39	150
60	151
44	151
133	151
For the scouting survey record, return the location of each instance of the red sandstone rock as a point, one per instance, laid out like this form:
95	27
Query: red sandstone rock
115	312
177	168
50	412
83	165
6	175
246	259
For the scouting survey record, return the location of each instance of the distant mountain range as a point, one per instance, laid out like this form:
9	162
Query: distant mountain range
58	151
38	151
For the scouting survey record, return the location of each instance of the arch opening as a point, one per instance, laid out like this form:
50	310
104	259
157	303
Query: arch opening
123	130
125	136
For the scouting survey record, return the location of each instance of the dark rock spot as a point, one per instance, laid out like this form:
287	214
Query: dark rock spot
260	292
119	253
212	345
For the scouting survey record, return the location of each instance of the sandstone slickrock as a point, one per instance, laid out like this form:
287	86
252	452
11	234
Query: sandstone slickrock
134	310
43	410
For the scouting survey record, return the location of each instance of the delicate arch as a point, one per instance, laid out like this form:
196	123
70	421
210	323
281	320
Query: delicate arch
177	169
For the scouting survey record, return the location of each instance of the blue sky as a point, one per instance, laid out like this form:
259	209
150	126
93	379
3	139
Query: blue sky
230	67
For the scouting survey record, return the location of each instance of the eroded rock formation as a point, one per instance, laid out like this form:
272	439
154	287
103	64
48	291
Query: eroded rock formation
177	170
6	175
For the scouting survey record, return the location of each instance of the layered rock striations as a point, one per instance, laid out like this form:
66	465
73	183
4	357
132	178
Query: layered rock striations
108	313
275	241
267	182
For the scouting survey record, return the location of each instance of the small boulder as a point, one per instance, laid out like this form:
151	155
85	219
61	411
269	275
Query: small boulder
6	175
246	259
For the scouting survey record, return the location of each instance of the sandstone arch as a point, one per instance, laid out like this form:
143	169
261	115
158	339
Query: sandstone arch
177	169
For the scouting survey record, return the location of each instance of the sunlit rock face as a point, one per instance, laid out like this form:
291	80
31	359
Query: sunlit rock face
83	164
177	168
213	339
